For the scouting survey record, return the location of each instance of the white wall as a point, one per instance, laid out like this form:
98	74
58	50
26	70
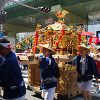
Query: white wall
94	28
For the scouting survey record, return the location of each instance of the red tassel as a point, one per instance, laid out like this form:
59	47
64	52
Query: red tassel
79	38
60	36
35	42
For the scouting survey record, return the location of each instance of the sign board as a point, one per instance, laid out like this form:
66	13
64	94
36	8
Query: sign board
94	40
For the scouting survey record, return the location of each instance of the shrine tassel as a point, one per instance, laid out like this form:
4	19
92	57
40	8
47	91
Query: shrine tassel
79	38
60	37
35	42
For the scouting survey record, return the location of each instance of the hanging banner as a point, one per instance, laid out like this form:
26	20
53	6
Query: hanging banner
35	42
60	37
79	38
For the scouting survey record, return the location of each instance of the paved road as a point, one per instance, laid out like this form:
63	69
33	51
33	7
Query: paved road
31	96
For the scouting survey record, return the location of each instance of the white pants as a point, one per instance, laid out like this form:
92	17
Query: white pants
86	86
48	94
19	98
0	91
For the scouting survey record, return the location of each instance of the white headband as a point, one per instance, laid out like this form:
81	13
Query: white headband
6	45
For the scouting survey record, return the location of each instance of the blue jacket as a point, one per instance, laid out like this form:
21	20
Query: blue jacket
90	69
11	78
44	73
2	60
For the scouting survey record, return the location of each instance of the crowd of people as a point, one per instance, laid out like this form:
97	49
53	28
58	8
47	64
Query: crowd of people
12	82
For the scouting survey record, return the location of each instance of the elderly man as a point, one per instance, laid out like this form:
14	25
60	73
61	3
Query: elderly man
86	68
10	74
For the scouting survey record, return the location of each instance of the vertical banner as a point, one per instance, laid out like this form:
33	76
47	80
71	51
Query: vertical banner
35	42
60	36
79	38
